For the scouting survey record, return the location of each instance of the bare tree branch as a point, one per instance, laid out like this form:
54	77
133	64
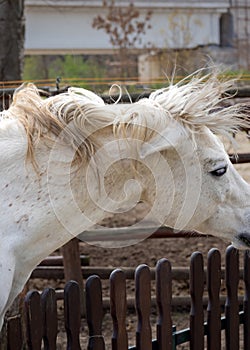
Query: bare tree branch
125	29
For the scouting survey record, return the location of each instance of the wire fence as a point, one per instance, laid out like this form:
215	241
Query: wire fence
106	82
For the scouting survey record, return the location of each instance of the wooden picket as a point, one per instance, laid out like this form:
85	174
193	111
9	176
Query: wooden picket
94	313
246	304
49	314
163	298
143	307
231	306
72	315
14	333
41	310
213	308
118	309
196	292
33	320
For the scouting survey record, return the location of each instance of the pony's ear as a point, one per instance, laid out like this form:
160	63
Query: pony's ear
170	137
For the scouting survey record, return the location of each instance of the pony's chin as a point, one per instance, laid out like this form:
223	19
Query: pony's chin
242	241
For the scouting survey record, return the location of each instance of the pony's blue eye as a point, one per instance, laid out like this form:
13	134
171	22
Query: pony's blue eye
219	172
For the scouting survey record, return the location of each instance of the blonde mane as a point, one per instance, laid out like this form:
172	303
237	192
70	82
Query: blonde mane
78	114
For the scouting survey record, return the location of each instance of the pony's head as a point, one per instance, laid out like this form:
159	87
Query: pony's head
208	193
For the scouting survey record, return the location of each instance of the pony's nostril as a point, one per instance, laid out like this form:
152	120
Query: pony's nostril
245	239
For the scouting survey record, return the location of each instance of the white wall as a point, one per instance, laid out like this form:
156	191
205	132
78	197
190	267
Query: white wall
66	26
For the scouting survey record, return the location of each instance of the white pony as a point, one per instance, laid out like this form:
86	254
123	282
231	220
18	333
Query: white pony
66	162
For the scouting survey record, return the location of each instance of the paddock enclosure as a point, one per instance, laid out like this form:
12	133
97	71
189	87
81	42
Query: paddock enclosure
215	322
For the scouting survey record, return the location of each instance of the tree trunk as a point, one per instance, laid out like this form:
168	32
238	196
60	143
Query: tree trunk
11	39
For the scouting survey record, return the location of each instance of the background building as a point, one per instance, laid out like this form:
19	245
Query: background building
184	32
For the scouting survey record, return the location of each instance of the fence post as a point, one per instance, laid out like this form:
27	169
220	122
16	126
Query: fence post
143	307
72	267
213	308
196	293
232	305
118	309
163	299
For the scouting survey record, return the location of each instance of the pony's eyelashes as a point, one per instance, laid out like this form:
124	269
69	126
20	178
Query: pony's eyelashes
219	171
216	167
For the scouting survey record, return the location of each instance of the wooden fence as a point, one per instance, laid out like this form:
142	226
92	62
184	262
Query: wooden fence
40	326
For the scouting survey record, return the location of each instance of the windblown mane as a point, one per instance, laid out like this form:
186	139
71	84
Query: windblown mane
79	113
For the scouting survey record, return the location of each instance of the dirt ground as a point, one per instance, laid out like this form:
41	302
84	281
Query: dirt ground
178	251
